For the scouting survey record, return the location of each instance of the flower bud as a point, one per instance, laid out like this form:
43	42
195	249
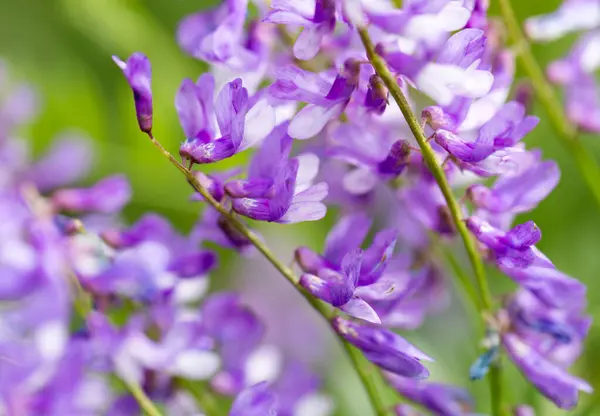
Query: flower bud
138	72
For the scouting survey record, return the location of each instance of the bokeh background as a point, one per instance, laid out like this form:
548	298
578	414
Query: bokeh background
63	48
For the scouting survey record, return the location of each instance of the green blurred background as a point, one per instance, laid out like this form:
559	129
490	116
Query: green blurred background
63	48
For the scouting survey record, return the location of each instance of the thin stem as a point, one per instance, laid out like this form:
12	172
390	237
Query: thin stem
434	167
275	262
566	131
367	380
438	173
144	401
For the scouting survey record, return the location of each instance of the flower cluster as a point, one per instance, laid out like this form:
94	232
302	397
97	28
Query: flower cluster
307	85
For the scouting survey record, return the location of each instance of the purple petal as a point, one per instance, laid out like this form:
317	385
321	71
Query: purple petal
552	381
138	72
309	41
360	309
311	120
195	264
550	285
189	109
332	287
523	235
69	159
257	400
348	233
107	196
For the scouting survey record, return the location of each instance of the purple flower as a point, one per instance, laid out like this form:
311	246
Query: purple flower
237	332
440	18
438	398
515	194
241	125
571	16
374	153
217	36
454	73
326	100
183	348
550	379
257	400
341	247
384	348
505	129
510	249
279	189
377	95
107	196
576	74
138	72
317	17
68	160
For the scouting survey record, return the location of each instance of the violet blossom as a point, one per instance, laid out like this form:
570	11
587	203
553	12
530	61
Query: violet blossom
279	188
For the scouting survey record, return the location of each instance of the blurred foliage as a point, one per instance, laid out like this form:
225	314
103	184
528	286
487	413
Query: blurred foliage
63	47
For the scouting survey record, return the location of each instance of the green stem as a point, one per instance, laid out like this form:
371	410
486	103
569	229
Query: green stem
436	170
367	380
463	279
144	401
275	262
566	131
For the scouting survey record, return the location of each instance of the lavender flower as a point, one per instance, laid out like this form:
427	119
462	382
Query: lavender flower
217	36
507	127
384	348
279	189
107	196
241	125
316	17
138	72
438	398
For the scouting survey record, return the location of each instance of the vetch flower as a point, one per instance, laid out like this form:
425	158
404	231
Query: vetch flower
316	17
241	124
107	196
256	400
550	379
514	194
279	189
384	348
576	74
326	100
217	36
454	73
571	16
504	130
438	398
419	21
138	72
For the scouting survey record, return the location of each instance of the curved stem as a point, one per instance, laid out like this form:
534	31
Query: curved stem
566	131
144	401
278	265
436	170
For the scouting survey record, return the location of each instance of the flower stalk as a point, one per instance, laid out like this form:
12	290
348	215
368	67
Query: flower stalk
566	131
428	155
359	365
